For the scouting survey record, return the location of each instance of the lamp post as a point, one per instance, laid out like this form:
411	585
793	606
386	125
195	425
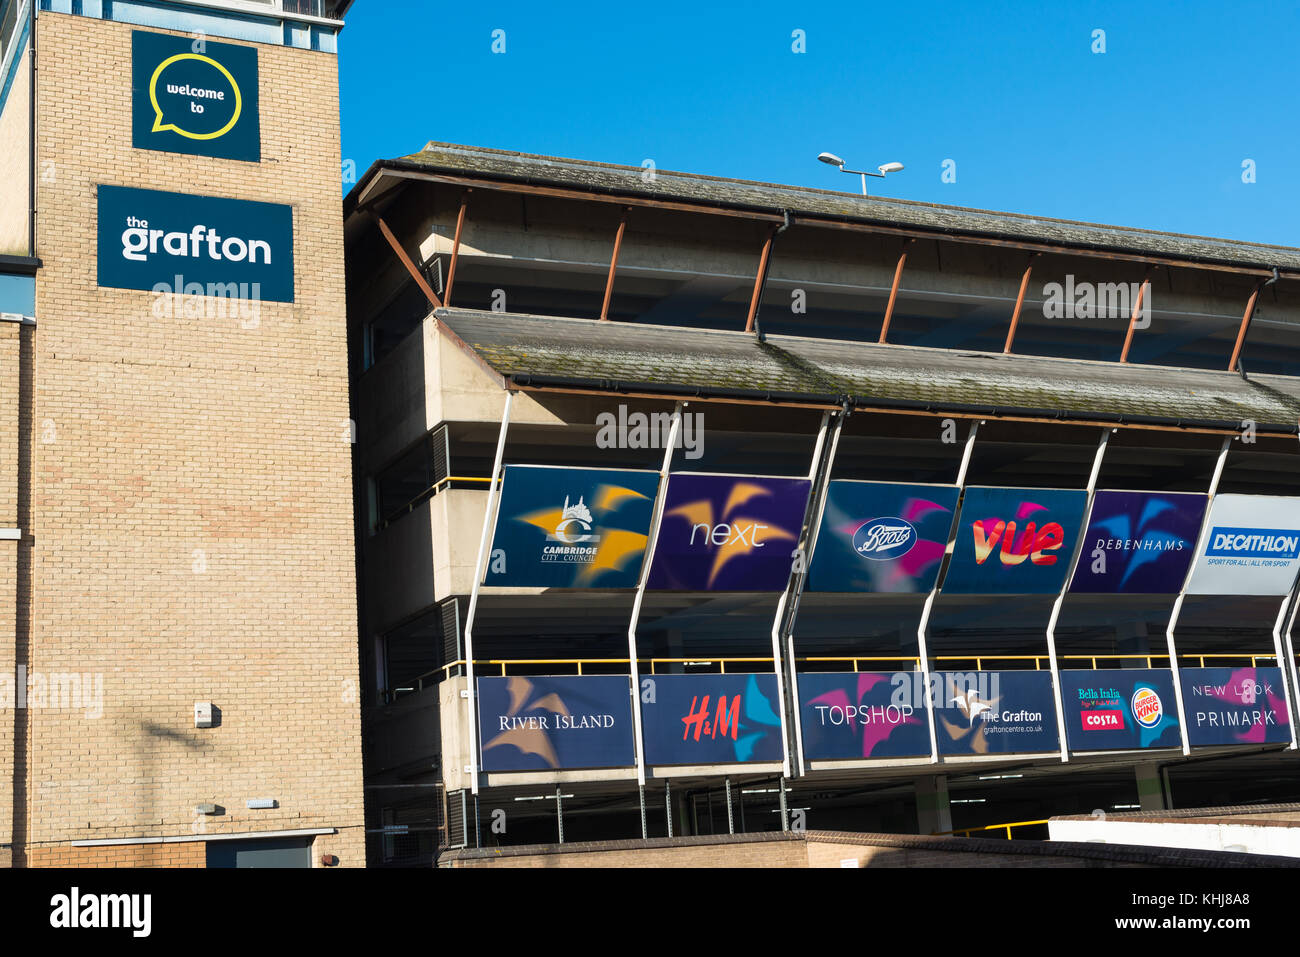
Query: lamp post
832	160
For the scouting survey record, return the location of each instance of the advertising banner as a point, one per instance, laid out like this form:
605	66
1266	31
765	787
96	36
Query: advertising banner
194	96
728	533
1120	709
571	528
710	719
881	537
995	712
857	715
1015	541
1253	546
555	722
195	245
1139	542
1235	706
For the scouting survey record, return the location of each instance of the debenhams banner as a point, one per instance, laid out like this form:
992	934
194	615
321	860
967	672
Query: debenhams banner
571	528
1139	542
1252	547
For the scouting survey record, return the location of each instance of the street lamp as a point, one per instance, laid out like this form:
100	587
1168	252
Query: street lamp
832	160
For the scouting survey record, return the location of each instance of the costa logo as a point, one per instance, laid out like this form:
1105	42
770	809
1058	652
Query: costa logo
1147	708
1103	720
883	539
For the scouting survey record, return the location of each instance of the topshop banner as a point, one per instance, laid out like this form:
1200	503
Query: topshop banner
710	719
1015	541
1235	706
571	528
1120	709
1253	546
728	533
858	715
1139	542
882	537
555	722
995	712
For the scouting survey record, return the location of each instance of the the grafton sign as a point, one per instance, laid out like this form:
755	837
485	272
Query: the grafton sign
992	712
147	239
194	96
1252	546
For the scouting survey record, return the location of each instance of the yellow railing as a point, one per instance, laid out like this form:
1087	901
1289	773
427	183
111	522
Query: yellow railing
968	831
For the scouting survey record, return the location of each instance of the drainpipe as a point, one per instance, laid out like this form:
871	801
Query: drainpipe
761	284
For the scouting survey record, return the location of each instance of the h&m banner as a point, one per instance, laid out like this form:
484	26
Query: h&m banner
1253	546
1120	709
1235	706
710	719
571	528
1139	542
555	722
855	715
881	537
995	712
1015	541
728	533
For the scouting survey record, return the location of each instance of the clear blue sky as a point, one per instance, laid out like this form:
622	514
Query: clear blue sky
1150	133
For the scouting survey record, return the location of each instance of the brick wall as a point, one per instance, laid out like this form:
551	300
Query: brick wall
180	854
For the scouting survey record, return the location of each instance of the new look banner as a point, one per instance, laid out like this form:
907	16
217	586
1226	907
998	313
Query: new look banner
1120	709
1235	706
557	722
1139	542
1252	548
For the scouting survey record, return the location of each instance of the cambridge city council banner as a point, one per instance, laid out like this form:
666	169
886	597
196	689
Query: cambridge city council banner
1120	709
1139	542
1253	546
1235	706
555	722
571	528
728	533
881	537
710	719
1015	541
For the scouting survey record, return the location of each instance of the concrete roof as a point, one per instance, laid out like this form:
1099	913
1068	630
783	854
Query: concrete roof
554	352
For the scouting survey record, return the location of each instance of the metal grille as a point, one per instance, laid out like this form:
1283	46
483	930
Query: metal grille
458	813
440	453
451	646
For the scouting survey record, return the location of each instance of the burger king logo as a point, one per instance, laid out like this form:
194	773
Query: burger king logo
1147	709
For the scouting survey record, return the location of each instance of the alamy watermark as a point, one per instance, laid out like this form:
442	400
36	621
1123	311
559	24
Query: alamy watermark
1100	300
214	300
641	430
57	691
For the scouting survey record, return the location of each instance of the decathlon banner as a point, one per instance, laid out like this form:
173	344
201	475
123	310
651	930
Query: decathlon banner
710	719
881	537
859	715
1122	709
1253	546
571	528
1139	542
555	722
194	96
728	533
195	245
995	712
1015	541
1235	706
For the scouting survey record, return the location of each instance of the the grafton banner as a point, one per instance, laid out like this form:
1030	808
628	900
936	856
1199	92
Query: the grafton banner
855	715
555	722
1120	709
995	712
710	719
1015	541
728	533
881	537
571	528
194	96
1235	706
1139	542
172	242
1252	546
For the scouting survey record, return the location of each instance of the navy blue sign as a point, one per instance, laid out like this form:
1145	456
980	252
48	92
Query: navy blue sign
995	712
1235	706
1139	542
195	245
1120	709
862	715
555	722
710	719
194	96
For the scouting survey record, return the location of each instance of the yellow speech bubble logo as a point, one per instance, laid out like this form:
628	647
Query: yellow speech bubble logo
160	126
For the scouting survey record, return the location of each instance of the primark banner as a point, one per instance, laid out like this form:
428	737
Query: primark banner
1252	546
1235	706
710	719
1120	709
881	537
1015	541
728	533
1139	542
855	715
995	712
571	528
556	722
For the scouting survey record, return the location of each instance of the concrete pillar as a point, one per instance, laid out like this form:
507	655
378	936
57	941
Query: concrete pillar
933	814
1150	787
